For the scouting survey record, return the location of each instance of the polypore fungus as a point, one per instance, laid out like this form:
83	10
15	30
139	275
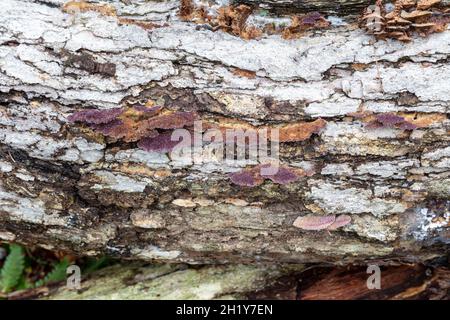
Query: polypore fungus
408	17
134	123
161	143
255	176
390	120
314	222
322	222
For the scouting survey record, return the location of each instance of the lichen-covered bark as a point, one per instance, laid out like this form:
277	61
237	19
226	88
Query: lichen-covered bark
65	186
137	281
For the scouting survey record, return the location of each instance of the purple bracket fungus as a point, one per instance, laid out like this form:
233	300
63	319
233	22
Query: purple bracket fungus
174	120
94	116
321	222
314	222
135	123
340	221
162	143
246	179
148	111
255	176
106	128
311	18
282	176
390	120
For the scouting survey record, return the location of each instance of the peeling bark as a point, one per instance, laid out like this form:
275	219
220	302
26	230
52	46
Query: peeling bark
66	186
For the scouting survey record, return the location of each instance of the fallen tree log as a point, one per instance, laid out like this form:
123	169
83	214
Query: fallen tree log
378	151
255	282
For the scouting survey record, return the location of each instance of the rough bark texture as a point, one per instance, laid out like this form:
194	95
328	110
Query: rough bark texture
64	186
339	7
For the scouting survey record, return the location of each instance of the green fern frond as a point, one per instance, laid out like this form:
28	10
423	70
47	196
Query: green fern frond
57	274
93	264
23	283
12	269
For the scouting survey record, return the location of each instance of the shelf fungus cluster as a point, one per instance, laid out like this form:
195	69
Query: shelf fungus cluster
315	223
231	19
405	18
285	132
152	126
149	126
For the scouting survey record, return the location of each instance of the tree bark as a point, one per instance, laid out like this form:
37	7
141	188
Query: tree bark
340	7
64	186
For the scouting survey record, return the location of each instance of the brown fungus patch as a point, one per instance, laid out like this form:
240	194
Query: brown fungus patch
291	132
244	73
300	24
186	9
233	19
73	7
300	131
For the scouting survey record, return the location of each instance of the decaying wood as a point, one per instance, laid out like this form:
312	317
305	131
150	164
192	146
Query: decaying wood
407	282
138	281
64	185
